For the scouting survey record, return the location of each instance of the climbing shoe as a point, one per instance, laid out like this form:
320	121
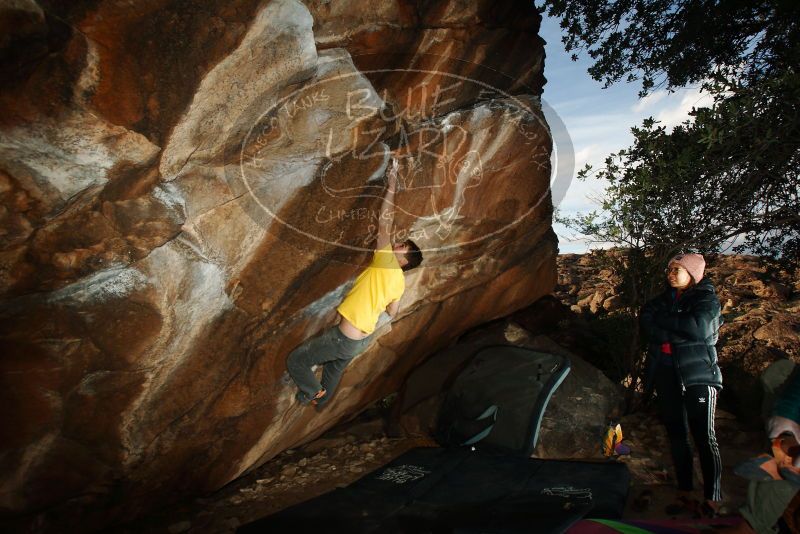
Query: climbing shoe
304	399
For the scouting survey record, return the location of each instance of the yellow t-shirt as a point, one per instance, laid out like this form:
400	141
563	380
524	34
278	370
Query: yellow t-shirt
381	283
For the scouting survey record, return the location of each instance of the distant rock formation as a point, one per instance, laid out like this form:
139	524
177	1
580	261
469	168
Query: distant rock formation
189	187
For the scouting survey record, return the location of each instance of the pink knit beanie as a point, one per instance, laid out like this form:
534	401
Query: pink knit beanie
693	263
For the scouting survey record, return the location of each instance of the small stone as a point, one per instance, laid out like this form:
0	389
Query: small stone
597	301
264	480
515	333
303	462
573	290
612	303
289	471
772	290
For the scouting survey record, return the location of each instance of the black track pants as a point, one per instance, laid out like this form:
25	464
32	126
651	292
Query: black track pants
691	410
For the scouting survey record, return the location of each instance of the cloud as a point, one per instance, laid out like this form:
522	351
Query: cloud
571	242
586	155
609	128
577	104
648	101
595	155
582	196
692	98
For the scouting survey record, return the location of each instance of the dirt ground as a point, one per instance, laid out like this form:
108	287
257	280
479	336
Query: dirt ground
346	453
651	466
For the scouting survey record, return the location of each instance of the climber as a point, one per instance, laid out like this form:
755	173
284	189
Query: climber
377	289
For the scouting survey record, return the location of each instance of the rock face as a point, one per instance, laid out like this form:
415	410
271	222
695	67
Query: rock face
188	188
579	410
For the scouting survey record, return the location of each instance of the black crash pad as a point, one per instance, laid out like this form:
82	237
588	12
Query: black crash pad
459	490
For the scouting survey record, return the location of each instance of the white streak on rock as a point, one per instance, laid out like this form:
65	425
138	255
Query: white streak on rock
168	194
90	76
190	295
73	154
277	50
101	286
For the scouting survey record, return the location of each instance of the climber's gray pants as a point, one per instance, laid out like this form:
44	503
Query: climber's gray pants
333	350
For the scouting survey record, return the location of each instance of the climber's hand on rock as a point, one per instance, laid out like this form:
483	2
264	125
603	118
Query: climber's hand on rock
392	175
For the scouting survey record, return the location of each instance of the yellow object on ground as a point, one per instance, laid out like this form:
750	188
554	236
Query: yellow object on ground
612	437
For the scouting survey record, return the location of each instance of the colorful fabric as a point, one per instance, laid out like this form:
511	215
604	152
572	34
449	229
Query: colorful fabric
612	438
666	526
381	283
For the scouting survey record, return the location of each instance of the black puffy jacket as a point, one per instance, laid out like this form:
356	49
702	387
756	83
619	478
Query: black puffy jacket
691	325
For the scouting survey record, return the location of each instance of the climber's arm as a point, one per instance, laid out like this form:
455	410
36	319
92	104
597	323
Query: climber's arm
386	219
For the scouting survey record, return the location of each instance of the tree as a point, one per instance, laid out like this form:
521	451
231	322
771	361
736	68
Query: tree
675	43
731	171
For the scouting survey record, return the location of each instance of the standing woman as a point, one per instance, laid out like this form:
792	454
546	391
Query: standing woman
682	326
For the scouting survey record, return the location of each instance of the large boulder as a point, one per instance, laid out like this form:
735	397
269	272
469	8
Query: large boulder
580	410
188	189
576	416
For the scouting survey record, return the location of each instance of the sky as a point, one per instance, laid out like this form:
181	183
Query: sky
597	121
